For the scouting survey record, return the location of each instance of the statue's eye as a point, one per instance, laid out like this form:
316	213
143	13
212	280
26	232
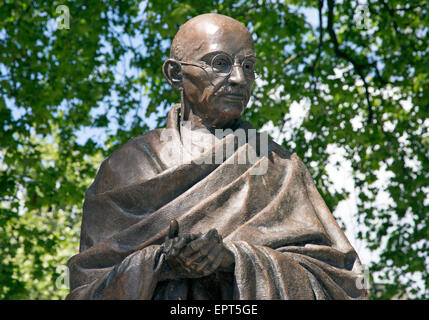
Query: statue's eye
248	66
221	64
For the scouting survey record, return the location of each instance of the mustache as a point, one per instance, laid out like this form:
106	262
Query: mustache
231	90
221	89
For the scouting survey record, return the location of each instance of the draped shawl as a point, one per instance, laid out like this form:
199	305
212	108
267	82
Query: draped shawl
285	241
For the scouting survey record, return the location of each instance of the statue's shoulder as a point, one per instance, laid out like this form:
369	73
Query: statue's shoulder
272	146
136	160
280	150
291	157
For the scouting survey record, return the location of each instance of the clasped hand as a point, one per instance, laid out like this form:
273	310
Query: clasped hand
194	255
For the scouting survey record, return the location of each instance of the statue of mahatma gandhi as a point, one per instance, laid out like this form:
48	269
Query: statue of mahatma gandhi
160	225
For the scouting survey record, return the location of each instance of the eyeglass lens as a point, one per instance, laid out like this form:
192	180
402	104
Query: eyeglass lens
222	65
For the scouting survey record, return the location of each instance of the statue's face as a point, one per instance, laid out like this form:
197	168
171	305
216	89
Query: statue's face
214	95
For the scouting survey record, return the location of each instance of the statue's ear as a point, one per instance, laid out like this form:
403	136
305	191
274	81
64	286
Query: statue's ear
172	71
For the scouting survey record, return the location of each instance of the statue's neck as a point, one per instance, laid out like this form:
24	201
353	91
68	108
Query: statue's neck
196	122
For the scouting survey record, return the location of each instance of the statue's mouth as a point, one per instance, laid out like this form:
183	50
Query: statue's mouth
234	97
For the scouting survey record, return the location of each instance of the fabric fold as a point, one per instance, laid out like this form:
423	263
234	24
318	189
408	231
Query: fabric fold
285	241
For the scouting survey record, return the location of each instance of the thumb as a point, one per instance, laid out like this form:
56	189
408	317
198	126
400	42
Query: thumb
173	230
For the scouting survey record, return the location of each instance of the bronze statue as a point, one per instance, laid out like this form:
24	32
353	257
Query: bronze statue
159	225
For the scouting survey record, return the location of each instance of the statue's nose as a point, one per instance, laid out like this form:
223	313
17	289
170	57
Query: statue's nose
237	75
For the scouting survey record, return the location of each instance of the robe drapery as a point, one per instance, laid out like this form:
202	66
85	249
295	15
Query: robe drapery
285	241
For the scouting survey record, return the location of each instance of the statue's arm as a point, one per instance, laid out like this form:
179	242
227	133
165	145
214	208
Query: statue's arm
135	277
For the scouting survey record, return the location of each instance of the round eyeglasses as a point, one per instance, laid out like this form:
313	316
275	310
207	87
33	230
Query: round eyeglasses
222	65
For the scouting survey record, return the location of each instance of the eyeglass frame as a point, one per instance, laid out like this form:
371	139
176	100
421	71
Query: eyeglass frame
234	64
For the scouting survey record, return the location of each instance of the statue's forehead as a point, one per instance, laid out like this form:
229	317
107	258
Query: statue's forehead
206	37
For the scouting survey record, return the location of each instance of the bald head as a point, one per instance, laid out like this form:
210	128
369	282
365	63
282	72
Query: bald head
208	33
212	62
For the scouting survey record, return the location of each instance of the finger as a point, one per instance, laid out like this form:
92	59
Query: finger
217	260
212	233
214	253
182	241
212	261
216	236
220	238
194	236
202	253
202	244
174	251
196	245
173	230
168	245
191	248
174	246
201	266
193	259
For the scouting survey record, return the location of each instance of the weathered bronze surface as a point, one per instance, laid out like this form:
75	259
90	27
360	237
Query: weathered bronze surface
157	225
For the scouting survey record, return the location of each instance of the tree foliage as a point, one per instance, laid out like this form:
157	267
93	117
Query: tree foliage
366	83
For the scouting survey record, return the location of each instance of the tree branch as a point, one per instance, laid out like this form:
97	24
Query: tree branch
359	68
319	48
